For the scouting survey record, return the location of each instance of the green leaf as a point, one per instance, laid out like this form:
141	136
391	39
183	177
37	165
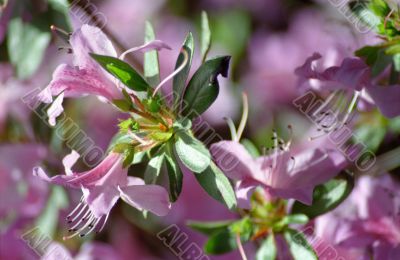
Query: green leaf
224	240
298	245
26	46
221	242
153	168
150	65
179	81
203	88
122	104
361	10
182	124
117	139
205	36
326	197
267	250
217	185
290	219
250	147
193	154
209	228
122	71
129	155
174	172
47	221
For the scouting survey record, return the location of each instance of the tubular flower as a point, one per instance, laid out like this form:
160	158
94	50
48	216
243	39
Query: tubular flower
102	187
86	77
281	174
350	81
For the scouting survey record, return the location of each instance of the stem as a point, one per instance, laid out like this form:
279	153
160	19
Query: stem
240	247
245	115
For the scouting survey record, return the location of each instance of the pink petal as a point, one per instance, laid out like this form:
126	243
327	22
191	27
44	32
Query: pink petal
352	74
109	172
233	159
78	82
69	160
55	109
90	39
101	199
386	99
58	179
153	198
244	189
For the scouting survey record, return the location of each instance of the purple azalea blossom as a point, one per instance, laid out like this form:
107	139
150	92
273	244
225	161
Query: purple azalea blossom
282	174
351	76
86	76
102	187
368	220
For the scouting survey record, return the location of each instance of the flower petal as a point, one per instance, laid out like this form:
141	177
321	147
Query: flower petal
352	74
233	159
244	189
78	82
55	109
101	199
386	98
69	160
90	39
153	198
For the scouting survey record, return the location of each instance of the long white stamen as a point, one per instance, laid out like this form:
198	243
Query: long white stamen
240	247
327	101
232	128
82	220
351	106
80	212
104	223
141	47
181	67
76	208
245	115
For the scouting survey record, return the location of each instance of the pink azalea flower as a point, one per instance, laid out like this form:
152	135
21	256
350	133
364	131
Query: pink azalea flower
86	77
352	76
102	187
368	220
282	174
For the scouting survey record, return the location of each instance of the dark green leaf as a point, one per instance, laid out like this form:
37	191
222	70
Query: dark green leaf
174	172
205	36
209	228
267	250
150	64
203	88
122	71
326	197
217	185
298	245
224	240
179	81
